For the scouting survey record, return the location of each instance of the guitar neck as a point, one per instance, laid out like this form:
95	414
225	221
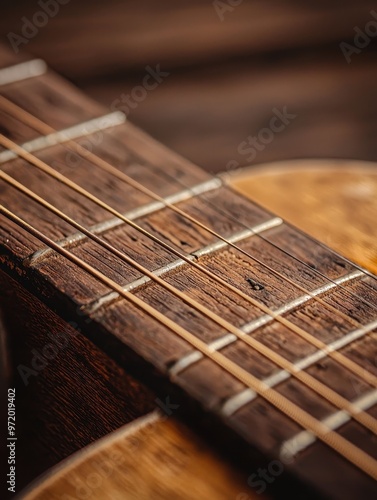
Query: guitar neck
259	255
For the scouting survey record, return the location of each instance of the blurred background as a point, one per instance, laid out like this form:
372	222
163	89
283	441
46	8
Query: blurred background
226	68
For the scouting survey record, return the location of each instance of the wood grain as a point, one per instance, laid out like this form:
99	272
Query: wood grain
92	38
68	393
154	457
143	442
225	77
140	344
337	201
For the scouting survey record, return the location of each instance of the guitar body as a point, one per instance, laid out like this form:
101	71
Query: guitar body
160	457
337	201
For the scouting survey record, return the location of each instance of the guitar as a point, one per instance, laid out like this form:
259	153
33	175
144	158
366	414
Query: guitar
208	348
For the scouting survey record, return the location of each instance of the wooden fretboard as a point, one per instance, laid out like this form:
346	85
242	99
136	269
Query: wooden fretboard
142	344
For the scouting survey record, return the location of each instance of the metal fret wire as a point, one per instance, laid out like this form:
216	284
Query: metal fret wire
341	445
89	235
304	377
22	71
193	221
346	362
39	125
261	236
349	364
272	355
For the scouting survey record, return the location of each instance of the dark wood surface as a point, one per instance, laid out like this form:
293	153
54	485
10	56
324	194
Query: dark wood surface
226	77
146	348
68	399
121	36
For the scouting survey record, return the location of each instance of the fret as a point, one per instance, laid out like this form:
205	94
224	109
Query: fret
51	99
298	443
122	236
237	401
71	133
123	197
242	235
195	356
209	249
226	340
264	320
56	102
22	71
190	338
146	209
120	327
111	297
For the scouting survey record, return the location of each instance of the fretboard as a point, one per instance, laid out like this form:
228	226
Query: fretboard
258	254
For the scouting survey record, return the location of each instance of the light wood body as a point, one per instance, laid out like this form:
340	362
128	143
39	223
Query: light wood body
335	201
160	458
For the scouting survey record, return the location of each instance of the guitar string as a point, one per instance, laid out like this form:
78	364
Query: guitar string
357	266
355	368
362	373
41	126
262	236
44	128
341	445
304	377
